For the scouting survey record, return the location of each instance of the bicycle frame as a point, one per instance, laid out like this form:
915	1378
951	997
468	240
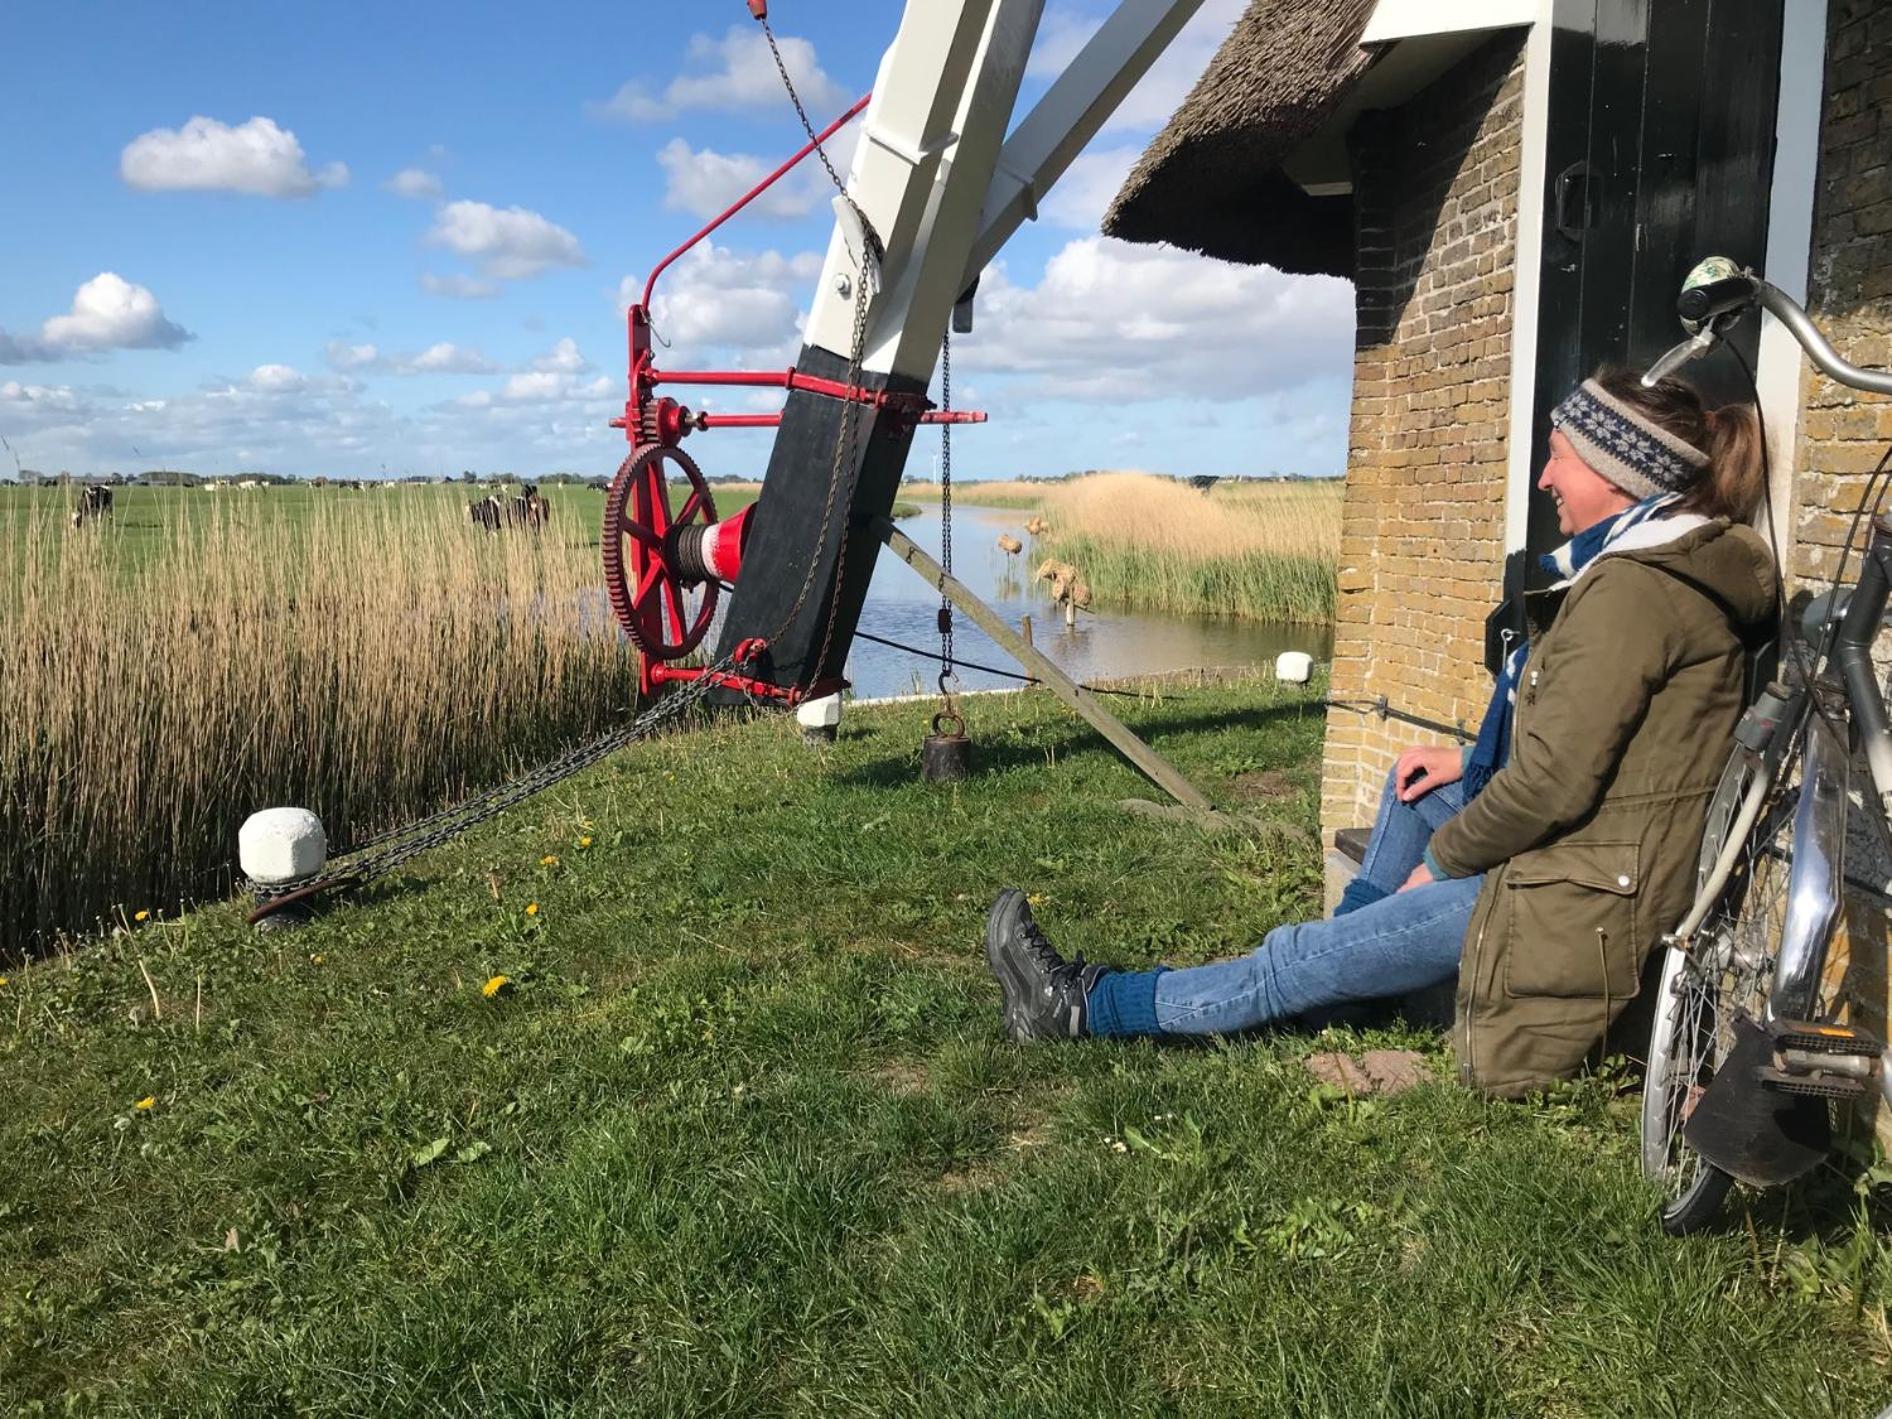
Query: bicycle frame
1816	876
1760	1117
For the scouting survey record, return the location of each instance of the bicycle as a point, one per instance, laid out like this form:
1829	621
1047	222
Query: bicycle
1747	1050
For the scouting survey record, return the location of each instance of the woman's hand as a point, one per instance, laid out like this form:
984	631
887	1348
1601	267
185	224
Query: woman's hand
1420	876
1424	768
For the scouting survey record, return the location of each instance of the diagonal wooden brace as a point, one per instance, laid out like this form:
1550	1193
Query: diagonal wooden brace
1158	769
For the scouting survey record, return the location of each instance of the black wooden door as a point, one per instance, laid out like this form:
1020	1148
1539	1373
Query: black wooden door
1659	152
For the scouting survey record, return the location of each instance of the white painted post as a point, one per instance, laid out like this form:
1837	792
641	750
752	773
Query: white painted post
279	845
820	720
1292	667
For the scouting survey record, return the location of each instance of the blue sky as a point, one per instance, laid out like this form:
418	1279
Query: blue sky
333	240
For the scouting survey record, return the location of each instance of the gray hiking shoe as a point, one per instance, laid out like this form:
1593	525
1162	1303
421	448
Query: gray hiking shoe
1043	993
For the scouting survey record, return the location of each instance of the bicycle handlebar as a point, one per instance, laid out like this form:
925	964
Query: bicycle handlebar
1705	304
1716	298
1800	325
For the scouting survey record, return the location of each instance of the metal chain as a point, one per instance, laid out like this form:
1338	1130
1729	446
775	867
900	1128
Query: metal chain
946	515
447	824
800	112
844	466
401	844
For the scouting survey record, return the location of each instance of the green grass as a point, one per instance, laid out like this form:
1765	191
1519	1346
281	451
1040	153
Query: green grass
743	1137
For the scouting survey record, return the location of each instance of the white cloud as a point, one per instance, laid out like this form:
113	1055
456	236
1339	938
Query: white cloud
443	357
343	356
1087	187
1149	105
207	156
276	379
734	72
541	384
703	182
34	401
458	287
715	296
504	245
447	358
564	357
108	313
273	418
540	387
323	424
415	182
1112	321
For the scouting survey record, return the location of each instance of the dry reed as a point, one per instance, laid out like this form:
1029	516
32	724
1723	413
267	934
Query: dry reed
369	659
1258	550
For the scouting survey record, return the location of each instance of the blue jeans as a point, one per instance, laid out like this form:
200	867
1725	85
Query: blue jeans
1402	943
1402	830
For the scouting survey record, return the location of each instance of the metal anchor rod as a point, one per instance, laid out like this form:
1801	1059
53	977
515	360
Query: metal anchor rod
1159	770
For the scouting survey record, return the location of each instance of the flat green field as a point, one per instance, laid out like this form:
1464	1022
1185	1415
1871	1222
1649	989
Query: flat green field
679	1090
142	516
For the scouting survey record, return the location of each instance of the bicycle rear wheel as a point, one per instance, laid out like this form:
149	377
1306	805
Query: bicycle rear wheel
1728	971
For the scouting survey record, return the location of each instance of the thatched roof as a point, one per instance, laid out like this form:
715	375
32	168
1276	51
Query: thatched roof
1212	180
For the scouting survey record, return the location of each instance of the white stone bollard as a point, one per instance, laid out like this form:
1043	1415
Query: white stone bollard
280	845
820	720
1292	667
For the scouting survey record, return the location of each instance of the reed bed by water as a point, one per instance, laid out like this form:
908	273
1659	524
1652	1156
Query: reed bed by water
369	660
1251	549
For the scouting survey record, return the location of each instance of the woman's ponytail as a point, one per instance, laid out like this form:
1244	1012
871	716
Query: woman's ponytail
1736	465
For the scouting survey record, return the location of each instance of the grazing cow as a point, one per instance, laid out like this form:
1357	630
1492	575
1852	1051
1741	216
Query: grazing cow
95	501
484	512
538	510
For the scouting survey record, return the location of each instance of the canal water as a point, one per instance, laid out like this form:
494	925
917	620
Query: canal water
901	607
1106	644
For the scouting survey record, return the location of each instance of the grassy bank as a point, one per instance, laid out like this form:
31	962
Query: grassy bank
739	1135
199	655
1261	551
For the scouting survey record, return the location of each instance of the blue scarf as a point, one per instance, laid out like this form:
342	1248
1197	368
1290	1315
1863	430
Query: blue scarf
1493	746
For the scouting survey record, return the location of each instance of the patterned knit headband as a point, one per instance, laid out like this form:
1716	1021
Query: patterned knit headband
1634	453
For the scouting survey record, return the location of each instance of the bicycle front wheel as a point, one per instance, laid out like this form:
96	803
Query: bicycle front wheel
1726	972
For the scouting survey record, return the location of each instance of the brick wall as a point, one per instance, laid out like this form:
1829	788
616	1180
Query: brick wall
1422	528
1842	434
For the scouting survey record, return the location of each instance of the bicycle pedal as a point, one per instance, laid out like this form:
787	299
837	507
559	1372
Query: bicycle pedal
1812	1084
1807	1038
1763	1135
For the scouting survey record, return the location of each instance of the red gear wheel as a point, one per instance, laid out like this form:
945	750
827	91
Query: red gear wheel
648	596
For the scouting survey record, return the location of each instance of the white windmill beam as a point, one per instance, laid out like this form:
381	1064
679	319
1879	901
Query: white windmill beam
909	319
1075	107
904	132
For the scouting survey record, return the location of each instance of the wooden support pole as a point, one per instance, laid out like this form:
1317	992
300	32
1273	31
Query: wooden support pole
1159	770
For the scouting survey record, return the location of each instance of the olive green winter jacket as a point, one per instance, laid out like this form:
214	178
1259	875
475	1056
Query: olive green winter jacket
1589	833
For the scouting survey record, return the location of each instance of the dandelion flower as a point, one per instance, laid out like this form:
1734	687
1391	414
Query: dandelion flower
3	980
584	842
548	861
147	1102
495	985
532	908
317	959
141	916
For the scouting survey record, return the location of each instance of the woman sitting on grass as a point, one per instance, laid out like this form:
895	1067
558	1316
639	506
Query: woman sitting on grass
1542	865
